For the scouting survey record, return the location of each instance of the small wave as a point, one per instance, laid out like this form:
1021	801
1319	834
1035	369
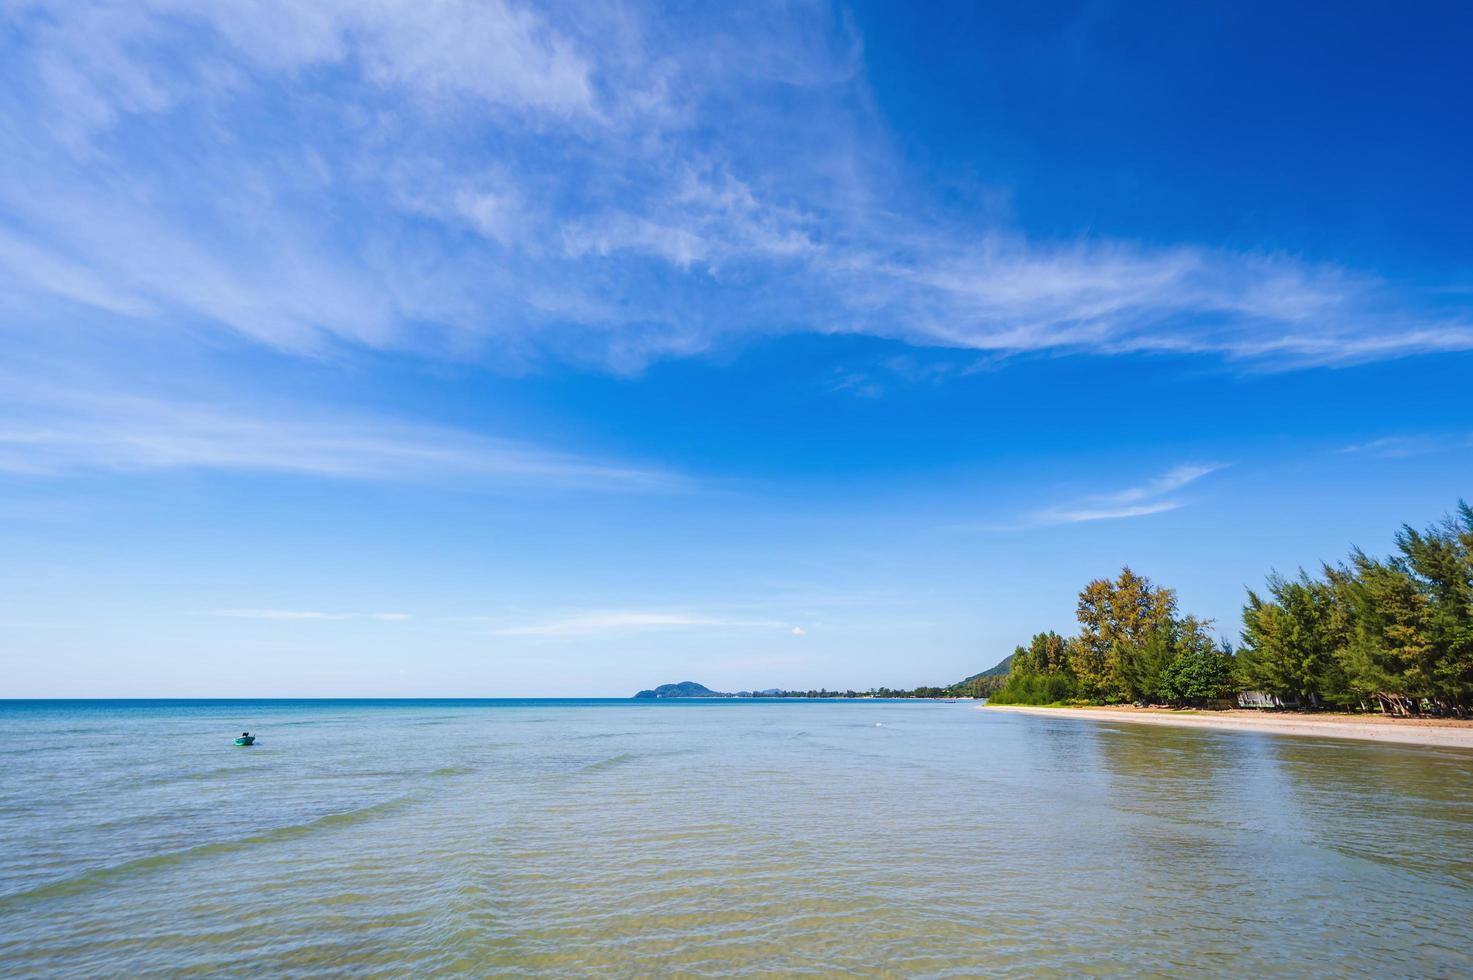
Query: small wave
204	774
453	771
609	763
34	749
114	874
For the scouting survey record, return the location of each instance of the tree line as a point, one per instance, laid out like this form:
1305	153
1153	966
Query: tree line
1391	634
874	692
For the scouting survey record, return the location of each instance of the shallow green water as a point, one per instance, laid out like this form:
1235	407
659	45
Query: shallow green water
629	839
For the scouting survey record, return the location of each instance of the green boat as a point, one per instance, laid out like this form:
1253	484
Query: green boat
246	738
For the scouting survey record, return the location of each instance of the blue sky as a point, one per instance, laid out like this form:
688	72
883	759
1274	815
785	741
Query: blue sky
497	349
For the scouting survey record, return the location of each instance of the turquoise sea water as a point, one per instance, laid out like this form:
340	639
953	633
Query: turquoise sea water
619	838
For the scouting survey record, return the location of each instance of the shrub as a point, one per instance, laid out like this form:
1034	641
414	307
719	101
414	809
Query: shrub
1036	689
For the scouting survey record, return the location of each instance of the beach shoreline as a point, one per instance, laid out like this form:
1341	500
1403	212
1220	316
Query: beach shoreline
1441	733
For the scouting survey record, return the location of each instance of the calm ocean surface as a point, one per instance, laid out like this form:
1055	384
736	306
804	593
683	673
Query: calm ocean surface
715	838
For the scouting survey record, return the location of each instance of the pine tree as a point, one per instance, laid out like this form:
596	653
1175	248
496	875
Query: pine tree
1291	643
1117	620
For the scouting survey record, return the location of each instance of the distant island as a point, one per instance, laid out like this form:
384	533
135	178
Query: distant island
684	689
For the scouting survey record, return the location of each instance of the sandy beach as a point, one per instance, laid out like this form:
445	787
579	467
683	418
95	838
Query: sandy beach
1370	728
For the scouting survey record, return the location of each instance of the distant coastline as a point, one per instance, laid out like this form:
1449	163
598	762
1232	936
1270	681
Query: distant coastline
690	689
1440	732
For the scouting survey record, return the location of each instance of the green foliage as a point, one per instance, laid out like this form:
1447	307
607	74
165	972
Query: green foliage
981	687
956	690
1046	653
1131	646
1396	633
1201	673
1143	668
1037	689
1118	620
1290	639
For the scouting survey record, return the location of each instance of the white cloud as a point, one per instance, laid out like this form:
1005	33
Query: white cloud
55	274
1397	447
295	614
1079	515
799	631
610	622
102	59
1140	501
607	184
1173	479
48	430
1008	294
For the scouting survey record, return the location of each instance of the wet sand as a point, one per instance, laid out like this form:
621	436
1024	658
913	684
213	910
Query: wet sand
1370	728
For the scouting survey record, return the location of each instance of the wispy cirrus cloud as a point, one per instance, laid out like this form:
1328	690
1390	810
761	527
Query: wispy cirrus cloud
600	184
635	621
304	614
1087	511
48	430
104	58
1151	497
1397	447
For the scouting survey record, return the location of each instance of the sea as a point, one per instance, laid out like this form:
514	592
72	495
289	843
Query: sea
621	838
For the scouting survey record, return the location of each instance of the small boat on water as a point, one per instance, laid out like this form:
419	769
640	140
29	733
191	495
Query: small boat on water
245	738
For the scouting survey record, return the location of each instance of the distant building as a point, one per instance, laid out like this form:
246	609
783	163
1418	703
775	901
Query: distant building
1261	699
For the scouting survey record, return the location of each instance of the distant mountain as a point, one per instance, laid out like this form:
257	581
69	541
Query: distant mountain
997	671
685	689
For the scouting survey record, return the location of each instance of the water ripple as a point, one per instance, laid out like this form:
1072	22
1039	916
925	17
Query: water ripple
720	840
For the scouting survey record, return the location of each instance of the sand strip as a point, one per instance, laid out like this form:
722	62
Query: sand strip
1371	729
